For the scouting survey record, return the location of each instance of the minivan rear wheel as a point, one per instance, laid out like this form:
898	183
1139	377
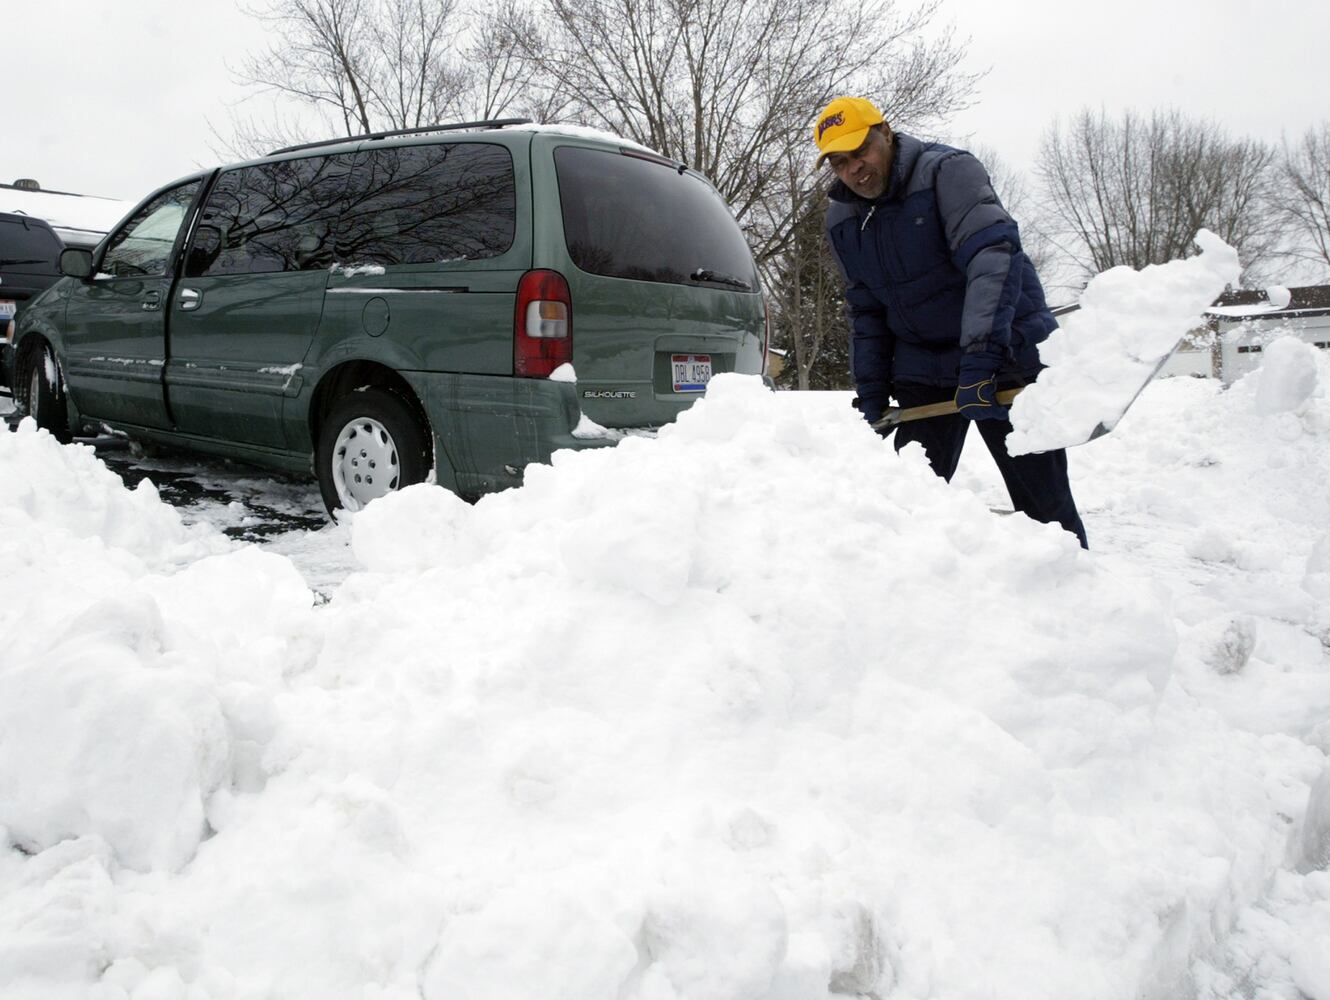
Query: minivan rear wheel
45	395
370	445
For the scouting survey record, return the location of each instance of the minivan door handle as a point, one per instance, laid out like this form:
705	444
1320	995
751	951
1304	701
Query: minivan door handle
190	299
152	301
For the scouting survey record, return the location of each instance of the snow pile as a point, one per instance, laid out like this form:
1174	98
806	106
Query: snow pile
755	709
1288	377
1230	503
1104	353
112	722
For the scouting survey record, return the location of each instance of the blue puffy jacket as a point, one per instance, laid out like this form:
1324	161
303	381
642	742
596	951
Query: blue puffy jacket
933	268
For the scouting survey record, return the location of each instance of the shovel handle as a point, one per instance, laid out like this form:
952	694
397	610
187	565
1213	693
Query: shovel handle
894	415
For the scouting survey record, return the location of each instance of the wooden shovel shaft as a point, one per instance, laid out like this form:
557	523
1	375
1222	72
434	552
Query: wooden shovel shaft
894	415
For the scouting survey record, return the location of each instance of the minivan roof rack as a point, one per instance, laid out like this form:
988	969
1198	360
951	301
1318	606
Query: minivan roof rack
451	127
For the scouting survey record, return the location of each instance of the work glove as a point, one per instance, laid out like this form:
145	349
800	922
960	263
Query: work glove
872	407
976	391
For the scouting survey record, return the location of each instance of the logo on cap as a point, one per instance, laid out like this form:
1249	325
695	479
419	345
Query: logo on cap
831	121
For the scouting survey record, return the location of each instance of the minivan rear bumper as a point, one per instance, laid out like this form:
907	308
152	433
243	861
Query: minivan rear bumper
488	428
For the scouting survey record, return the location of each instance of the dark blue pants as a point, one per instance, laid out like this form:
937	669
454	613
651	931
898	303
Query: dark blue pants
1037	484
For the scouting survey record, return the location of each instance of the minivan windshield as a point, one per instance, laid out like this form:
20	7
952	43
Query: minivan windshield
629	216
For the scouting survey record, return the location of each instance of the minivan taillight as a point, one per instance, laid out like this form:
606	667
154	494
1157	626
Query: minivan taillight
543	324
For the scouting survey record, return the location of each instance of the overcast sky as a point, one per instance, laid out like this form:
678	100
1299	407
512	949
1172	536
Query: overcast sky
117	98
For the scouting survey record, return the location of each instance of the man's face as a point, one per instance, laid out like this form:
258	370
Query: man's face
865	170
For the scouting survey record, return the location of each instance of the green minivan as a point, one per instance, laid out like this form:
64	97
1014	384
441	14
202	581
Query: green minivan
462	300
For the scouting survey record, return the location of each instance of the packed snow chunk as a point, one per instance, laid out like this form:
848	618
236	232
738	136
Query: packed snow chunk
57	915
553	937
1234	649
355	270
1278	948
234	605
99	737
411	530
564	373
1316	826
1316	577
1310	960
731	403
1287	377
1279	296
712	933
1105	352
588	430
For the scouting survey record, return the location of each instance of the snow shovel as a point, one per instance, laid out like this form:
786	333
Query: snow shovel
894	415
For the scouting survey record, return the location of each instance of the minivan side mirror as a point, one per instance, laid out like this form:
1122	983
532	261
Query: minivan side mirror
75	262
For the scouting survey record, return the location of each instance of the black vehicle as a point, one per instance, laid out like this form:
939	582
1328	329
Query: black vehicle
29	262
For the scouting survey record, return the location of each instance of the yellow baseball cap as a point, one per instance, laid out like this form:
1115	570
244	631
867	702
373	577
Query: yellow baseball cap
843	125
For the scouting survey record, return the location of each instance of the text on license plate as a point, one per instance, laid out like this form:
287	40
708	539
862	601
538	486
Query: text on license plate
692	372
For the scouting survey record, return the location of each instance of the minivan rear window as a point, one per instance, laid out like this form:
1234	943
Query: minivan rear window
28	248
627	216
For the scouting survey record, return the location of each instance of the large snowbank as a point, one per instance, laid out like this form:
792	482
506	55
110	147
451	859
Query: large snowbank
758	708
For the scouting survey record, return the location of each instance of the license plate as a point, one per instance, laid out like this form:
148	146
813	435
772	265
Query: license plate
692	372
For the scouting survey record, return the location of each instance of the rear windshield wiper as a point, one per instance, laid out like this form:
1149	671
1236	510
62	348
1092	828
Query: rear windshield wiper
706	274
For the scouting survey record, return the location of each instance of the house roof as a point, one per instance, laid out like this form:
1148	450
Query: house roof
1256	301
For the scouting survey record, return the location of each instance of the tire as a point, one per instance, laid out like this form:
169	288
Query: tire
370	444
44	392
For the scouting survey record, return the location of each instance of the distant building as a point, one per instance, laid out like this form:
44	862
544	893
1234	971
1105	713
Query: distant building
78	219
1241	323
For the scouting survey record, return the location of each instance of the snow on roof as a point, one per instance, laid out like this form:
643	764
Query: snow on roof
1243	312
582	131
1248	303
67	211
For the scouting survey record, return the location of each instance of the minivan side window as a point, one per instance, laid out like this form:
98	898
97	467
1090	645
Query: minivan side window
142	246
629	216
433	203
270	217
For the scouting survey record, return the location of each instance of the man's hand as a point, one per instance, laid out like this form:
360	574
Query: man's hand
978	401
976	391
872	407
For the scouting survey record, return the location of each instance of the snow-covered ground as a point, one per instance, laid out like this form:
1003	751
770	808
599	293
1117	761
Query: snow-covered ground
755	709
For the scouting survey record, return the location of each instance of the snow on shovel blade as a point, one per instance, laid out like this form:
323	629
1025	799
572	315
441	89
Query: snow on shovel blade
1104	355
1101	428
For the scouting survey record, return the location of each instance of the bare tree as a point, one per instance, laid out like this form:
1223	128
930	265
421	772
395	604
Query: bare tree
1301	197
1135	191
1013	190
499	72
805	292
378	65
731	86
